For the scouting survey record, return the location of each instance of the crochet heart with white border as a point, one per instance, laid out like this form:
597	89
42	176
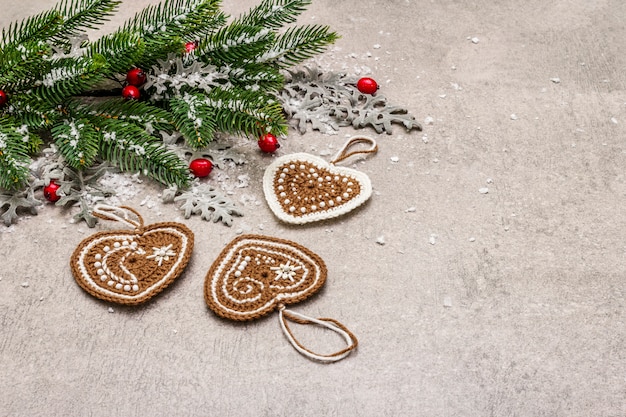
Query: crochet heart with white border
302	188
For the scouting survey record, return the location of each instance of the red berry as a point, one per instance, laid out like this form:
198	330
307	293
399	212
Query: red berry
50	192
201	167
367	85
3	98
191	46
131	92
268	143
136	77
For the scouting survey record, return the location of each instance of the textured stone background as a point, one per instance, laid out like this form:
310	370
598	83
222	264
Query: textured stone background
525	320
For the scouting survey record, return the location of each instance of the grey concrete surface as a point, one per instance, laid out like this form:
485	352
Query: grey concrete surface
509	303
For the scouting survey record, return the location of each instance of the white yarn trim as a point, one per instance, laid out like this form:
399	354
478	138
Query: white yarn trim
272	199
350	342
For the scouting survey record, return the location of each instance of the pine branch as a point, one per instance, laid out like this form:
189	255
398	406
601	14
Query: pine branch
79	15
68	18
228	84
77	140
21	65
140	113
298	44
14	159
251	76
245	112
274	13
165	27
120	50
132	149
193	119
33	29
236	43
32	111
70	77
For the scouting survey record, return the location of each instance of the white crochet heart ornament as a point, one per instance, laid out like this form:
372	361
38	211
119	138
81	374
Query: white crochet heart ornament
302	188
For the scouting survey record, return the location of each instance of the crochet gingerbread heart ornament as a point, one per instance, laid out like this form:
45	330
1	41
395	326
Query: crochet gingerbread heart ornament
302	188
255	275
131	266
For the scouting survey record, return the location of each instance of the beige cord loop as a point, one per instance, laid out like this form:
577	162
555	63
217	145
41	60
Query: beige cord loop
119	214
284	315
344	154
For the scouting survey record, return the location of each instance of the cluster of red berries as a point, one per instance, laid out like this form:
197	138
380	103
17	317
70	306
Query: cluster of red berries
135	78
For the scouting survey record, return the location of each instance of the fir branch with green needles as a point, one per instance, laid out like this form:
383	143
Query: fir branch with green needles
57	84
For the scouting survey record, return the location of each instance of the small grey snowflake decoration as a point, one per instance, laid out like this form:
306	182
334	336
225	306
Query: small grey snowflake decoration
171	75
10	203
326	101
208	202
364	110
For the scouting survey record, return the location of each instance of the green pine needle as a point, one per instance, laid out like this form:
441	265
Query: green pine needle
33	29
253	75
77	140
300	43
141	113
166	27
193	119
14	159
70	77
79	15
274	13
236	43
120	50
130	148
245	112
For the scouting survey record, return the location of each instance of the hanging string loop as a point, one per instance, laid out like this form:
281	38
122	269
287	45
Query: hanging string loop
344	154
122	214
350	339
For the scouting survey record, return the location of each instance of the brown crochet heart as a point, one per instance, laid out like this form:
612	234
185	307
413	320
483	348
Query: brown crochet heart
254	274
130	267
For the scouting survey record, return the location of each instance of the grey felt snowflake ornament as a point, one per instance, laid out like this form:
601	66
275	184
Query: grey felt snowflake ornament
327	101
206	201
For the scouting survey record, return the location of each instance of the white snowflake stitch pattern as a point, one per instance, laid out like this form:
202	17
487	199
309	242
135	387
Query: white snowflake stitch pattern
285	271
162	254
